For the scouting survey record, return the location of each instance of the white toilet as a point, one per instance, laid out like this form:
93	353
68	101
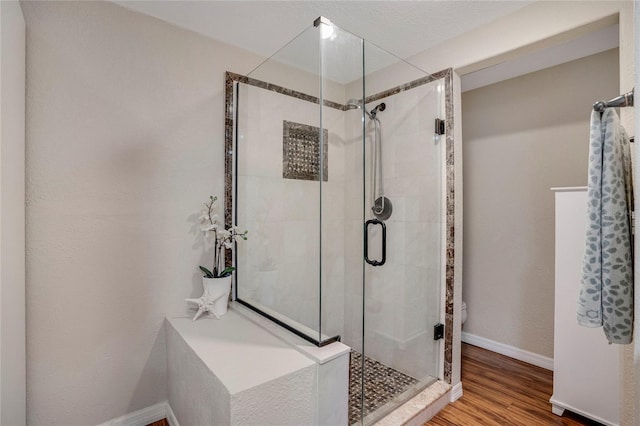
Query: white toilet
464	312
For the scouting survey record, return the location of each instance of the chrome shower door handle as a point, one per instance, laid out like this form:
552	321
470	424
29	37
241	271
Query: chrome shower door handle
366	242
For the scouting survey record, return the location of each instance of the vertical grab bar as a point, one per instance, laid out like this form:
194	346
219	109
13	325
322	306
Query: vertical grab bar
366	242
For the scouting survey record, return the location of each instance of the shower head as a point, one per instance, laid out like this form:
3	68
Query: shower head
357	104
353	104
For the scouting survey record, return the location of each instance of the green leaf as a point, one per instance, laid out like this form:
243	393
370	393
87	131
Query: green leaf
227	271
207	273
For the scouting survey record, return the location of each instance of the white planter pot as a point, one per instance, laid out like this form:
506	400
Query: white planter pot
216	287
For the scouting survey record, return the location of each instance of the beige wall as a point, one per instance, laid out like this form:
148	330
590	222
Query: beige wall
12	211
521	137
546	23
125	138
112	90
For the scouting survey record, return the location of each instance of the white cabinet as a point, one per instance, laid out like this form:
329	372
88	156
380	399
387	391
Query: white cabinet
586	368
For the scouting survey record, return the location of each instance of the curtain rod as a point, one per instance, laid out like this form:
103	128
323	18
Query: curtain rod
624	100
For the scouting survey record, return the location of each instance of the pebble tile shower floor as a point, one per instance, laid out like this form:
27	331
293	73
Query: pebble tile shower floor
381	385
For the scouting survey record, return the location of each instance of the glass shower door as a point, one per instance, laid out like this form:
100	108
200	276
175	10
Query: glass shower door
402	233
381	220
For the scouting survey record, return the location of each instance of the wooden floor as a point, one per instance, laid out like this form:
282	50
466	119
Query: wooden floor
162	422
499	390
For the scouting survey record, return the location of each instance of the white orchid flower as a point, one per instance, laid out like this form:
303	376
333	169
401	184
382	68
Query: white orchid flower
219	237
209	227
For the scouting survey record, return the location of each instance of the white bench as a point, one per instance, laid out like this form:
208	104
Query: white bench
245	370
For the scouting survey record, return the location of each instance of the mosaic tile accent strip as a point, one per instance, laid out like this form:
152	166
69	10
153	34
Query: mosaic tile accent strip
228	155
301	151
408	86
449	225
382	384
284	91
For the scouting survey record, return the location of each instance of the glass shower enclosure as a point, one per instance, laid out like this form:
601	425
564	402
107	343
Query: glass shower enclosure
337	173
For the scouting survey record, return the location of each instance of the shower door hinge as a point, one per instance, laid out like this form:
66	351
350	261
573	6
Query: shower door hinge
439	127
438	331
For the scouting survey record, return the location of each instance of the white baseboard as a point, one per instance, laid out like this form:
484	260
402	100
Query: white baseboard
510	351
171	418
145	416
456	392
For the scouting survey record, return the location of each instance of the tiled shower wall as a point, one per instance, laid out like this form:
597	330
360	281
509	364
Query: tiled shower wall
278	266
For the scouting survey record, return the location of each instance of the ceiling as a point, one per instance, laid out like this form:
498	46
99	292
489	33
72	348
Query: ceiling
403	28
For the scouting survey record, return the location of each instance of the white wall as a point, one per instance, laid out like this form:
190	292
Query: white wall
12	212
125	140
521	137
